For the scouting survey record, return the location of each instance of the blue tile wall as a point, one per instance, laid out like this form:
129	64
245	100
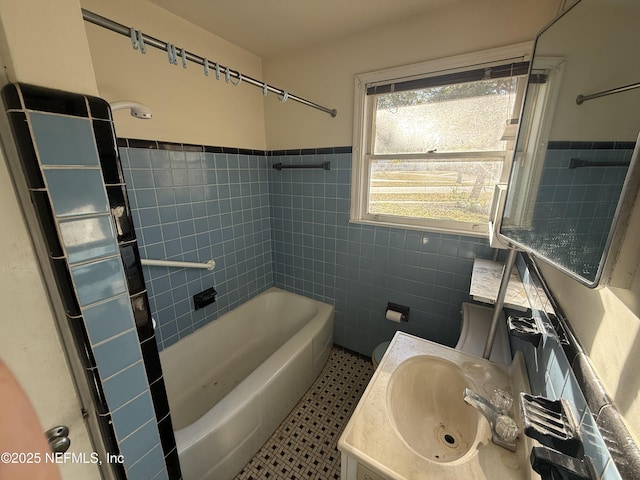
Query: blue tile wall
551	375
98	280
87	187
88	238
125	385
67	140
579	203
359	268
290	229
195	206
96	270
107	319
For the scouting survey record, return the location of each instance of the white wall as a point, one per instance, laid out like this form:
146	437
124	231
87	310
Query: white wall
188	107
43	43
597	41
325	74
191	108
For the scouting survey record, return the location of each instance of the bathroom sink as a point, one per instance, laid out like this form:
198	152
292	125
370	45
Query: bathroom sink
426	407
412	422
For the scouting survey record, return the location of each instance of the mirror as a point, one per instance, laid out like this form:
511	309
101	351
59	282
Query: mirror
574	156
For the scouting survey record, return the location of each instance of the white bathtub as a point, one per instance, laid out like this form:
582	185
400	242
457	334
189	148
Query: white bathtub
232	382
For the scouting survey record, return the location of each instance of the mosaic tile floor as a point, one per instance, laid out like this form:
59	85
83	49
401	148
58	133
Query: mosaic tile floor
305	445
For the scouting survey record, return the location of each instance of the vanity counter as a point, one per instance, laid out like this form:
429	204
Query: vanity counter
373	445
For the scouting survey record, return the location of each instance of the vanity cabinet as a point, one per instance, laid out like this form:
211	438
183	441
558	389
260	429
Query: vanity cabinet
352	470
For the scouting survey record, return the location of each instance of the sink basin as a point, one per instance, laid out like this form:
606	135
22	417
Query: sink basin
426	406
412	423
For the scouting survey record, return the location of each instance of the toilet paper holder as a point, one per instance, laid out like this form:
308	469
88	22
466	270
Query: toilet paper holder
401	309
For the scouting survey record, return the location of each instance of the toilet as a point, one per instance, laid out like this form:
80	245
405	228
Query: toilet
476	320
378	353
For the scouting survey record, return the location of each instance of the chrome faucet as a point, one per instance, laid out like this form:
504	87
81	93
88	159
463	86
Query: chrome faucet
503	428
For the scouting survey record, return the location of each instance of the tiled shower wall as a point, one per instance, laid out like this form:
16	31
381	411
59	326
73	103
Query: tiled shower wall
290	229
194	204
359	268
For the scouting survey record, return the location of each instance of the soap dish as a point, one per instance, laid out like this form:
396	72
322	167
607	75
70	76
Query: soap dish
526	328
551	423
552	465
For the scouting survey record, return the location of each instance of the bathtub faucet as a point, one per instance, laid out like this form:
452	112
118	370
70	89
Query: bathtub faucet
503	428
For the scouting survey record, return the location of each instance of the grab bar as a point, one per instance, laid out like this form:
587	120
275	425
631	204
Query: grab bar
579	163
209	265
323	165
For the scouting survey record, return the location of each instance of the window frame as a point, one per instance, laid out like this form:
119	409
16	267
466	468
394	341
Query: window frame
363	134
534	135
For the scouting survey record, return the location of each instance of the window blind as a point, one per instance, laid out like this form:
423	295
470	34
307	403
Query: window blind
485	73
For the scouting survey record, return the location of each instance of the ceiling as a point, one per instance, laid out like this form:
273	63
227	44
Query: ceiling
270	28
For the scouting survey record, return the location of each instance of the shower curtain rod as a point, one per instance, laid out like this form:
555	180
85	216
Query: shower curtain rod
580	99
116	27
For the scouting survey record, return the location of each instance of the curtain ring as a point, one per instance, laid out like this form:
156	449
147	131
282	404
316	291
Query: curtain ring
133	33
206	67
140	37
285	96
171	52
264	89
184	57
235	84
217	71
227	75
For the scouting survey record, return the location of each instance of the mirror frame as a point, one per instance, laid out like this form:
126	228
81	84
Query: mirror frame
621	215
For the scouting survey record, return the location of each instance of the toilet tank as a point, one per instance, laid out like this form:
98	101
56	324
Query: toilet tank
476	320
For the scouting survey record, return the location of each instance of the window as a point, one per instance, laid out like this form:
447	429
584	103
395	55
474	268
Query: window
432	140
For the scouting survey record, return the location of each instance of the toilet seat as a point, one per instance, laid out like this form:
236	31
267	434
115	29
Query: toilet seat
476	320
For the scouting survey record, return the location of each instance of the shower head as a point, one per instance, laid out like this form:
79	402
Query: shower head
138	110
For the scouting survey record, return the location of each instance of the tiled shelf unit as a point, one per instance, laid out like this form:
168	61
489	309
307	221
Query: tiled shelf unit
558	368
67	148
